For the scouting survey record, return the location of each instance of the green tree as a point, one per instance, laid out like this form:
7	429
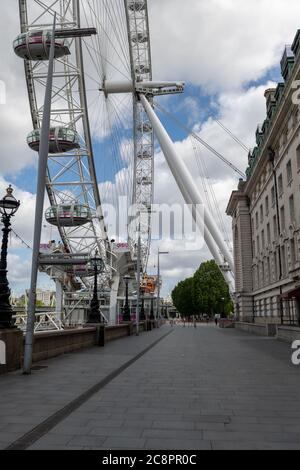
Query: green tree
182	297
209	288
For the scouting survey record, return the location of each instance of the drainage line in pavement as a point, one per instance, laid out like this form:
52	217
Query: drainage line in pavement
39	431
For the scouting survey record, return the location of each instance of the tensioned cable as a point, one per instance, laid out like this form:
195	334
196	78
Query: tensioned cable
232	135
205	144
210	194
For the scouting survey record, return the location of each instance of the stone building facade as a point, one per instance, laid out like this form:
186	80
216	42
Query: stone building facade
266	208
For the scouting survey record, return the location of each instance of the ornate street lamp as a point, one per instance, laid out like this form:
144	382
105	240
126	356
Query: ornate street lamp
94	315
126	314
223	308
8	207
142	312
152	317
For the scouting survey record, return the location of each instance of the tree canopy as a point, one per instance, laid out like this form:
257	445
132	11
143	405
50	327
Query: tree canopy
203	293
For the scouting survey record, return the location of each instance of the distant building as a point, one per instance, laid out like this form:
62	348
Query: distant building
45	297
266	209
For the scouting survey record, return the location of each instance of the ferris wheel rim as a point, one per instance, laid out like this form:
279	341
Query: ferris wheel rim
25	26
136	65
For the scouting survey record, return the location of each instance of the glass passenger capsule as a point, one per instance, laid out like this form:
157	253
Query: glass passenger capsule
61	140
145	127
144	155
140	69
68	215
137	5
35	45
139	37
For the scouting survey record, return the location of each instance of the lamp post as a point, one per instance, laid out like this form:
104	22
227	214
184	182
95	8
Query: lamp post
126	315
223	307
158	281
8	207
152	317
94	315
142	313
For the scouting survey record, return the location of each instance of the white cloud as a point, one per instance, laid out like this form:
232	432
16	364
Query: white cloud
220	44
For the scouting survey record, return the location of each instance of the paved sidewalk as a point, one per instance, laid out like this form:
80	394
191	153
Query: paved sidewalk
201	388
26	401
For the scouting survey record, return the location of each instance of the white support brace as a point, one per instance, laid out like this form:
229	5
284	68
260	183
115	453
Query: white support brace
59	300
114	299
191	194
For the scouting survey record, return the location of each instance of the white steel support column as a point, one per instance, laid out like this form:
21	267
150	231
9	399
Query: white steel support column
42	169
190	192
59	300
114	299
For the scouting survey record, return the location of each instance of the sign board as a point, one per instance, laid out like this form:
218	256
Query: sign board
148	284
121	247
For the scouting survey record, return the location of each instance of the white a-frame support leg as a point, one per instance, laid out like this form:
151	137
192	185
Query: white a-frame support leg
191	194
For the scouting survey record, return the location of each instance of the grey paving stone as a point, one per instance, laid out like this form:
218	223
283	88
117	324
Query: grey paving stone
69	430
124	443
226	445
210	426
173	425
8	437
87	441
177	444
108	423
118	432
172	433
256	427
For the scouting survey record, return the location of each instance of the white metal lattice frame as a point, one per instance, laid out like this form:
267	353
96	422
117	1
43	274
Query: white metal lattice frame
141	68
71	177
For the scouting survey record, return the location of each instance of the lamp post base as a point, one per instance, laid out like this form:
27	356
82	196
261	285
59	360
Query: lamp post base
94	315
11	350
6	311
100	332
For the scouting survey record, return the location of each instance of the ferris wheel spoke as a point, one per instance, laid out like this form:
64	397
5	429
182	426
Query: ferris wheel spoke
117	28
108	37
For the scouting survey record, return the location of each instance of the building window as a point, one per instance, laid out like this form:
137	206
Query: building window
269	234
261	214
273	196
292	209
283	261
267	205
293	252
282	218
298	157
269	270
263	240
289	172
284	137
275	226
280	185
275	267
258	277
256	220
257	243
